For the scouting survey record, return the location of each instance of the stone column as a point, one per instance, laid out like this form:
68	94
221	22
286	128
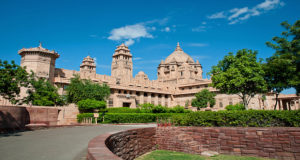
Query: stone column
163	100
169	101
149	97
299	103
141	97
280	105
156	99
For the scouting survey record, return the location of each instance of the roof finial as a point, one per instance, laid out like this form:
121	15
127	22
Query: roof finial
178	47
40	44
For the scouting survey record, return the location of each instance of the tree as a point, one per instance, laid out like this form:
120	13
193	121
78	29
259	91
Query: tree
81	89
239	74
12	78
202	98
288	49
278	72
88	105
42	93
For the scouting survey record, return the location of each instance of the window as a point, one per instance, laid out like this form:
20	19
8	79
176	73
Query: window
221	105
145	94
110	103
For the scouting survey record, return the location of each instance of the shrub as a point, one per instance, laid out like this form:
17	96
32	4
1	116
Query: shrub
123	110
250	118
236	107
88	105
146	108
179	109
159	109
84	115
135	117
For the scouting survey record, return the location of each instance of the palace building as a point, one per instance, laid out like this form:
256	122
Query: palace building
179	78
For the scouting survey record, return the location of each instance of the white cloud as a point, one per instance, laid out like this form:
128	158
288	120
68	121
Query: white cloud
137	58
129	32
197	44
129	42
217	15
237	12
166	29
236	15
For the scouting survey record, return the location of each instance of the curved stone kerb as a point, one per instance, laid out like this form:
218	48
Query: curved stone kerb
97	149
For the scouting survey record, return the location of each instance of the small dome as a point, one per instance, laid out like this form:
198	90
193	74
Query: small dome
179	56
141	73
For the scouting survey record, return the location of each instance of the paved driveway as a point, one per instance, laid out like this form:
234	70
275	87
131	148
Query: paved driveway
69	143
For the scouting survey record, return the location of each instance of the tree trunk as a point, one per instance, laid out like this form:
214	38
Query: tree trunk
245	102
276	100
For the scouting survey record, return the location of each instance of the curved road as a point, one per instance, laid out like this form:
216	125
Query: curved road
68	143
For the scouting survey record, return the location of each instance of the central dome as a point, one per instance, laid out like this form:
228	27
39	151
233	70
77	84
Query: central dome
179	56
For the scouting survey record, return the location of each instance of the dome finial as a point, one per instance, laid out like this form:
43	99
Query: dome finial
178	47
40	44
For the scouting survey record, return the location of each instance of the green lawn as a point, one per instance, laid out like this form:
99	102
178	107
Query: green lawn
170	155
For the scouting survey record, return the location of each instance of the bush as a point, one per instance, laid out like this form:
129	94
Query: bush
88	105
159	109
123	110
246	118
84	115
178	109
146	108
135	117
236	107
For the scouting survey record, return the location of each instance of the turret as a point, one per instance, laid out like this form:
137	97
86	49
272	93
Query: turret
88	67
39	60
121	67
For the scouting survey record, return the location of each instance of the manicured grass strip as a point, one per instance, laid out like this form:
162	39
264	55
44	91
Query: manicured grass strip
170	155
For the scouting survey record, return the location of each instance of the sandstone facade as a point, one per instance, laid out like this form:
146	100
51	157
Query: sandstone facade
179	78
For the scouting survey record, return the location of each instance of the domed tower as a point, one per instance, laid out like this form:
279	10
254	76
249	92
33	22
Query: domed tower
179	65
39	60
88	67
121	67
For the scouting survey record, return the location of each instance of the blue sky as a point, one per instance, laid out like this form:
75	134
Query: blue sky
206	30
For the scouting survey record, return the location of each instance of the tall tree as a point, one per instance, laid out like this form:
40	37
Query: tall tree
278	72
287	47
12	78
202	98
42	93
239	74
81	89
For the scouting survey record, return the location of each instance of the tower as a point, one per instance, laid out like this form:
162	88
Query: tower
39	60
121	67
88	67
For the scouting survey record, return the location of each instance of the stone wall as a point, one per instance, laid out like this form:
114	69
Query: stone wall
279	143
13	118
132	143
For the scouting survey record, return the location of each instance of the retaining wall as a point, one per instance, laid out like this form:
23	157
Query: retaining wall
279	143
13	118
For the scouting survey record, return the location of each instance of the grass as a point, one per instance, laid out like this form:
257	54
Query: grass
171	155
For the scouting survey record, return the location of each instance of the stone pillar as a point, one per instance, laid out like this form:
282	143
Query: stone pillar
149	97
141	97
156	99
163	100
169	101
280	105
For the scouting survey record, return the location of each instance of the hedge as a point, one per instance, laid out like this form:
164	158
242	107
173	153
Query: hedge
149	108
250	118
123	110
128	117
